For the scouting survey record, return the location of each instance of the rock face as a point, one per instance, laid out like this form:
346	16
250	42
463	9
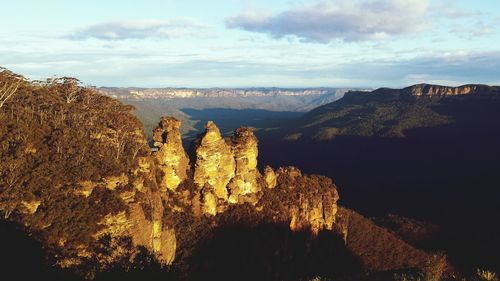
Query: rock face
434	90
148	228
305	202
270	177
209	200
172	160
215	164
141	221
316	213
244	183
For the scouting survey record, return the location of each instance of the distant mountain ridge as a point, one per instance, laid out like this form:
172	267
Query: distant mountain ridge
243	104
384	112
161	93
437	90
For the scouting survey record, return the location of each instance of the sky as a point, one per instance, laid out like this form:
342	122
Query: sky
262	43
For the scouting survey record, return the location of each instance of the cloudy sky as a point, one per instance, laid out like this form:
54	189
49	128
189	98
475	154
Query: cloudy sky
241	43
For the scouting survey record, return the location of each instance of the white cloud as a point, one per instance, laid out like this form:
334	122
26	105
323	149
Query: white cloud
474	30
111	68
328	20
120	30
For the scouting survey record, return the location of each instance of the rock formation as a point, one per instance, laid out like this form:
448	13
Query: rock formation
441	91
142	223
209	200
215	163
172	160
244	183
305	202
270	177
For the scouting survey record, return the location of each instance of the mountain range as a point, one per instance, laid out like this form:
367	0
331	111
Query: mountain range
388	112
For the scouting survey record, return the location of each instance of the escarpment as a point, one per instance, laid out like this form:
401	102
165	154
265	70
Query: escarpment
440	91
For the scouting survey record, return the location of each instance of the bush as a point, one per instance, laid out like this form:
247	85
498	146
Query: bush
486	275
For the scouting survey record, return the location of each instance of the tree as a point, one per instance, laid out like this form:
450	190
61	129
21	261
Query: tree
9	83
70	88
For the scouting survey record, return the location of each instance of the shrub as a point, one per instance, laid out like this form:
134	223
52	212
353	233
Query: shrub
436	267
486	275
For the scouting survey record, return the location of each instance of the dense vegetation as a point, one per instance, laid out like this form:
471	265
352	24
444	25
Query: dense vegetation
55	135
383	113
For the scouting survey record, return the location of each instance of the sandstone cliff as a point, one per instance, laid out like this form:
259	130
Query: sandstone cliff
226	173
215	163
302	201
440	91
244	183
173	163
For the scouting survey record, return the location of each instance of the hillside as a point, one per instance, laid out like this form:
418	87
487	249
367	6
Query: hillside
425	152
387	112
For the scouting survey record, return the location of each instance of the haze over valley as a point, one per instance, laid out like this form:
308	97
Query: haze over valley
230	108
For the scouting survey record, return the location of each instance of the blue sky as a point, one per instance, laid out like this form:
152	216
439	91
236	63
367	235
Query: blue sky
241	43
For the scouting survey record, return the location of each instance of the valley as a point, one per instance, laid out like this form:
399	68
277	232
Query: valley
255	107
390	151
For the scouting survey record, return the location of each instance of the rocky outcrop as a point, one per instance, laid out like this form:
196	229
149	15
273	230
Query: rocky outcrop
146	212
141	221
244	183
225	172
310	201
215	164
440	91
209	200
172	160
270	177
